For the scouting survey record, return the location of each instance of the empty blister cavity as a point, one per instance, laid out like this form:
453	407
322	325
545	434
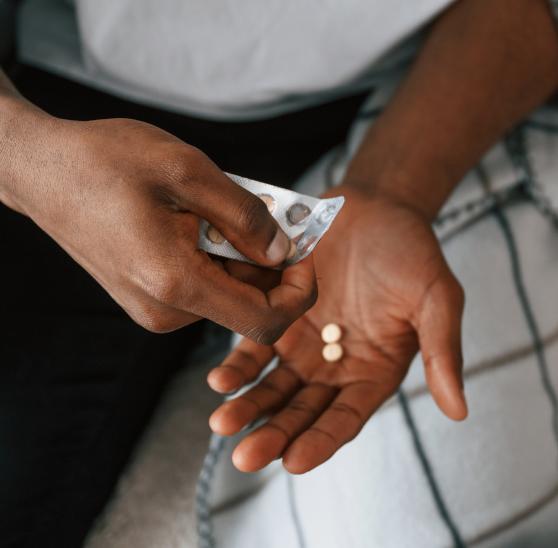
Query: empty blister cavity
298	213
304	219
306	242
327	215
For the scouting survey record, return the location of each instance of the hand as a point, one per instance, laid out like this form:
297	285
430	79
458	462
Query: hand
383	278
124	198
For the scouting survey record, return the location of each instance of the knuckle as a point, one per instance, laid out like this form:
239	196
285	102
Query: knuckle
311	297
153	319
324	434
301	407
182	165
252	216
165	289
192	159
456	292
170	281
269	333
271	323
193	154
192	289
270	387
348	411
158	325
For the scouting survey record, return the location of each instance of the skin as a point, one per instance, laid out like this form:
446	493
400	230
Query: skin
315	406
382	275
124	199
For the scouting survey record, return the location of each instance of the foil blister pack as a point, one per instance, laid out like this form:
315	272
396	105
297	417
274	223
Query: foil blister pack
304	219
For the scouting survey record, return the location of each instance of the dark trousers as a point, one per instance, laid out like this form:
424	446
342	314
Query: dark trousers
78	379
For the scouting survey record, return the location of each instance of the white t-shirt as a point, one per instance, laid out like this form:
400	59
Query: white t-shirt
221	58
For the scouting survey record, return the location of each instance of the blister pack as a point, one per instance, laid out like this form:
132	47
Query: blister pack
304	219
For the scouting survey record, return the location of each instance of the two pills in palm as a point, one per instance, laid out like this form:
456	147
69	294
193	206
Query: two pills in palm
331	336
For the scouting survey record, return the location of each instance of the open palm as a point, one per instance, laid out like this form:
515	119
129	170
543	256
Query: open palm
382	277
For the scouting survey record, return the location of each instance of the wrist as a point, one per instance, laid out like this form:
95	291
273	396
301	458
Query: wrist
394	164
20	135
400	189
421	186
362	198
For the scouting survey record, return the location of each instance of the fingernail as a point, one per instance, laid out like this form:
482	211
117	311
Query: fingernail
279	247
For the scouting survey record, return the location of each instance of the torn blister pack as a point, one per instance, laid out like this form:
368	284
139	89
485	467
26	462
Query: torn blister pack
304	219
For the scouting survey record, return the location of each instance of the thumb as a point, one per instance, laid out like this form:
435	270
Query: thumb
240	216
439	331
249	227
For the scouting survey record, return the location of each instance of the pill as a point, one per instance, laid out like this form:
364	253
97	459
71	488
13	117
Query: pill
332	352
269	201
297	213
213	235
292	250
331	333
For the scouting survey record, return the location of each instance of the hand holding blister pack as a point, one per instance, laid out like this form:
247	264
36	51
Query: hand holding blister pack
304	219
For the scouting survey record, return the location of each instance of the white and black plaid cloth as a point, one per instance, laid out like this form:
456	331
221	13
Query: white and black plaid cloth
412	478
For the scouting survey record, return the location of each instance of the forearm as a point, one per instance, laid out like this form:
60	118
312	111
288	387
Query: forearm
484	66
9	98
22	129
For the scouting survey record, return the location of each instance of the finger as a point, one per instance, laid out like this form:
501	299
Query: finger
297	291
239	215
268	442
439	330
243	308
144	310
273	390
219	262
242	366
336	426
264	279
290	293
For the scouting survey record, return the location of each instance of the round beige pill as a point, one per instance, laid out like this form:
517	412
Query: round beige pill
297	213
332	352
331	333
213	235
269	201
